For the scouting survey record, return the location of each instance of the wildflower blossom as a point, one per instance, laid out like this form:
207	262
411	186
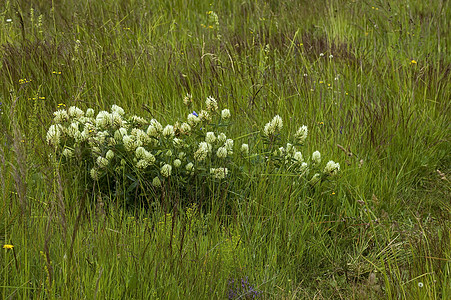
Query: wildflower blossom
245	149
61	116
332	168
89	113
166	170
202	152
301	134
188	99
138	120
316	157
185	128
103	119
277	123
168	131
8	246
189	167
116	119
142	164
225	114
229	144
157	125
140	152
156	182
68	153
177	142
75	112
193	120
117	109
303	168
168	153
54	135
212	104
177	163
129	142
315	179
222	138
298	157
219	173
95	174
204	116
152	131
109	155
102	162
210	137
222	152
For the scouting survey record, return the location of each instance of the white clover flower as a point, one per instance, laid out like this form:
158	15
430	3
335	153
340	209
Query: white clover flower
60	116
321	54
90	113
168	153
177	142
156	182
103	119
109	155
189	167
185	128
222	152
116	119
298	157
212	104
140	153
332	168
269	129
210	137
157	125
304	168
301	134
245	149
219	173
277	123
149	157
54	135
201	152
316	157
177	163
168	131
138	120
222	138
140	135
117	109
188	99
75	112
142	164
193	120
229	145
129	142
225	114
315	179
166	170
67	153
95	173
181	155
72	129
204	115
102	162
152	131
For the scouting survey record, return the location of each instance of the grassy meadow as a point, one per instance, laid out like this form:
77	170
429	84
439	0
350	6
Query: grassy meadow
370	80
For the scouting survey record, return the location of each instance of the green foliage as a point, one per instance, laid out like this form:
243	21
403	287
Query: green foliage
370	81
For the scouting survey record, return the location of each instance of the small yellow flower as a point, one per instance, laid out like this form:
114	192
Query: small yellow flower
56	72
321	82
413	62
8	246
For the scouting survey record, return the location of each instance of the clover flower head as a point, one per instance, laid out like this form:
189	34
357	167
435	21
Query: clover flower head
298	157
202	152
140	153
72	129
193	120
140	135
225	114
168	131
229	144
189	167
177	163
168	153
157	125
102	162
142	164
129	142
109	154
103	119
149	157
138	120
116	119
277	123
67	153
166	170
269	129
152	131
304	168
185	128
188	99
222	152
95	173
204	116
316	157
222	138
75	112
212	104
54	135
219	173
210	137
245	149
60	116
117	109
90	113
156	182
301	134
332	168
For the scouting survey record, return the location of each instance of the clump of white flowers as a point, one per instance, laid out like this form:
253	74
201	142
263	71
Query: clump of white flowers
114	143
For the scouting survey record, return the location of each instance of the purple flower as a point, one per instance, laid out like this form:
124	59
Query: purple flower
195	113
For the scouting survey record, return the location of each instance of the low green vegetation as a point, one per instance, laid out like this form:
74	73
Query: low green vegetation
136	163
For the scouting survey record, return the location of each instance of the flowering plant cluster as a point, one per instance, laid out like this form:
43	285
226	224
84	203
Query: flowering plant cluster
114	147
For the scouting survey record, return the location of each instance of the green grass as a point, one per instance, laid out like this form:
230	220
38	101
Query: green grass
376	232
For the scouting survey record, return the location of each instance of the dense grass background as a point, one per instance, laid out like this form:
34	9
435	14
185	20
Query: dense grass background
372	77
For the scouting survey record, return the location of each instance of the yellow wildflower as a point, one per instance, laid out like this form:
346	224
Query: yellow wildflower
8	246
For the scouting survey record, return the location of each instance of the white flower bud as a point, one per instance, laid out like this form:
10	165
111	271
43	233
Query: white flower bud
210	137
177	163
156	182
316	157
245	149
225	114
222	152
166	170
